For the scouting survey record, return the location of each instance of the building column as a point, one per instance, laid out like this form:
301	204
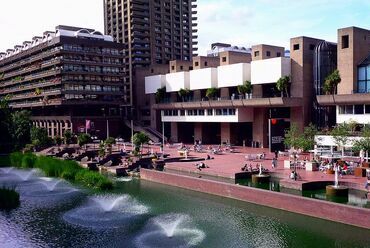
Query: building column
296	117
225	93
52	129
61	128
225	132
48	128
260	127
174	132
198	131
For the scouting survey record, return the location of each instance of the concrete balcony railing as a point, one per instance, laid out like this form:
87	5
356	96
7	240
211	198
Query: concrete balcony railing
332	100
227	102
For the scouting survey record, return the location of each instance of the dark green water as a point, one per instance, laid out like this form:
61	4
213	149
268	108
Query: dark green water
41	222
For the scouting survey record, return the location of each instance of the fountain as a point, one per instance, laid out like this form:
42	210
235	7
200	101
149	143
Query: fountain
336	189
260	177
7	170
170	230
106	211
50	183
25	175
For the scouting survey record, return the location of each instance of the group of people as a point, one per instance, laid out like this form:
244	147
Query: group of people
201	166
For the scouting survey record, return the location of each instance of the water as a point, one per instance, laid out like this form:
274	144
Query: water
157	215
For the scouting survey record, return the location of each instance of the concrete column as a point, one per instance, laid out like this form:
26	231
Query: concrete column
52	129
198	131
61	129
48	128
224	93
225	132
260	126
197	95
174	132
297	117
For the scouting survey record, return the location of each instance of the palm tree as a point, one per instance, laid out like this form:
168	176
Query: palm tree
160	94
183	93
245	88
331	82
211	93
282	85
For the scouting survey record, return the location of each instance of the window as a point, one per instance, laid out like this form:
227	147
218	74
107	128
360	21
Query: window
181	67
256	53
349	110
268	53
205	63
359	109
172	68
342	109
363	75
367	109
296	47
196	63
209	111
182	112
201	111
223	59
218	112
345	41
312	47
278	54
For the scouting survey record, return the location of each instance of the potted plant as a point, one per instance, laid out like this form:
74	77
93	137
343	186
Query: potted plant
282	85
211	93
245	89
183	93
160	94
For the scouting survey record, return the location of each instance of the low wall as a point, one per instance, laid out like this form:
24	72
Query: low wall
316	208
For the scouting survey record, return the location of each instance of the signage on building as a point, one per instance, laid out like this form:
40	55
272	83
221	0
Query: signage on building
277	134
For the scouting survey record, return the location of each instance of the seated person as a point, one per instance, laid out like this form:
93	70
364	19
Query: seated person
208	157
245	168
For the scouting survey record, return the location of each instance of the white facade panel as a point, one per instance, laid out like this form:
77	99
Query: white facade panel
268	71
178	80
233	75
359	118
153	83
327	140
203	78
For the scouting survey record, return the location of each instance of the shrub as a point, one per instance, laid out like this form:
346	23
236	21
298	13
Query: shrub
5	161
28	160
9	199
16	159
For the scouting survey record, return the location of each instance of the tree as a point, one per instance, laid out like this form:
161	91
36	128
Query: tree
364	142
211	92
5	124
331	82
83	139
307	139
245	88
282	85
68	137
139	139
108	143
58	140
183	93
39	137
340	135
292	137
160	94
20	128
352	124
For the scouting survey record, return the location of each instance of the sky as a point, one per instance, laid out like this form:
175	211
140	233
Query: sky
238	22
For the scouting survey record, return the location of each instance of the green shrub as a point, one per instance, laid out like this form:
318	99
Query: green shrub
28	160
9	199
5	161
66	169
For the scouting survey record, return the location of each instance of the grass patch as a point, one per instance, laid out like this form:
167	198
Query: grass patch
9	199
66	169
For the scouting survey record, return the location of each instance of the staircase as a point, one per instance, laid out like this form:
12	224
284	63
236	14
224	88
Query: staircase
153	134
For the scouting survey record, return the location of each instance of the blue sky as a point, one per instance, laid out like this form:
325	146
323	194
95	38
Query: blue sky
239	22
248	22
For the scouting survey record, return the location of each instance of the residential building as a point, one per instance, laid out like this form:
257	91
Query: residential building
153	32
70	79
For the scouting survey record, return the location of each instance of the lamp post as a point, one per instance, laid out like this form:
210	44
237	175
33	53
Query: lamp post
132	128
107	121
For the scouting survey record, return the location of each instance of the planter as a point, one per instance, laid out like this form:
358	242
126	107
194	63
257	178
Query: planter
287	164
312	166
331	172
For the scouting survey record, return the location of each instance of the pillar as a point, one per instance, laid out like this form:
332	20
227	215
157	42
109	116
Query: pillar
61	128
224	93
174	132
52	129
225	132
260	126
296	117
198	131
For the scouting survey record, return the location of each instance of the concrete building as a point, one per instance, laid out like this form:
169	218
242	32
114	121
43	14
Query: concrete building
153	32
352	100
66	77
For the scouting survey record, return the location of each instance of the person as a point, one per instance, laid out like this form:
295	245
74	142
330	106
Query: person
208	157
274	163
250	168
276	154
244	168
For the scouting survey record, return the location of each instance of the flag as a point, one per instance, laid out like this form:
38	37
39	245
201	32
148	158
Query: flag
88	124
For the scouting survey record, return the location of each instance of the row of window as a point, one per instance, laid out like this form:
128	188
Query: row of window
79	48
72	57
86	68
354	109
91	78
91	88
363	79
199	112
100	98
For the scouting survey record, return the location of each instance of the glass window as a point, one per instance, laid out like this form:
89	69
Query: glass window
368	72
195	112
367	109
224	112
209	111
190	112
362	73
361	86
359	109
182	112
341	110
349	110
218	112
201	111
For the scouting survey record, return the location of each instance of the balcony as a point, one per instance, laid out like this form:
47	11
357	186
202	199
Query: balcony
233	75
269	70
203	78
177	81
153	83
